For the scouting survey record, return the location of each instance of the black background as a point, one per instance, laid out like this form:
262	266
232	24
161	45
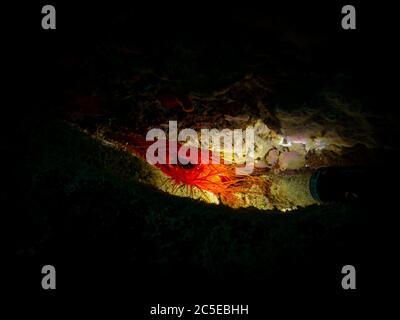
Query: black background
368	53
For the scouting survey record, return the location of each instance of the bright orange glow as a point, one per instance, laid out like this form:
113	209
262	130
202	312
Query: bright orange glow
219	179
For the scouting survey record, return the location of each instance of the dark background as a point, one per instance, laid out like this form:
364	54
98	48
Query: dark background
100	262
